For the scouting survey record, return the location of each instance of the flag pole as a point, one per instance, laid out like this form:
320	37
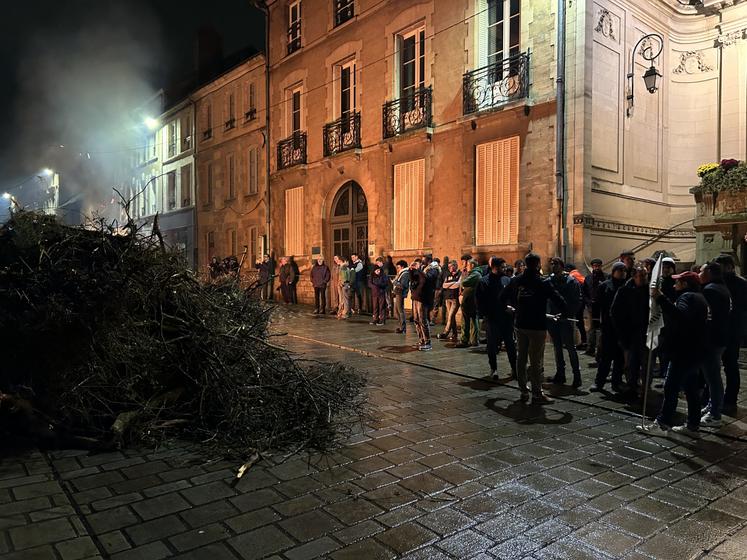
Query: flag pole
647	384
651	335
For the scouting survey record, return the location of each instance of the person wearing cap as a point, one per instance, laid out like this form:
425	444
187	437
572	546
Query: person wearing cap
628	259
591	285
562	331
611	354
686	339
528	294
498	321
737	287
719	303
630	314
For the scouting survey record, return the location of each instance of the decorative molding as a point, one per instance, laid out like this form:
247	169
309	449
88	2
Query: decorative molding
728	39
590	222
605	24
692	62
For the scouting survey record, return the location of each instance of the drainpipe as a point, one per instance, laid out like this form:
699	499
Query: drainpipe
268	152
561	193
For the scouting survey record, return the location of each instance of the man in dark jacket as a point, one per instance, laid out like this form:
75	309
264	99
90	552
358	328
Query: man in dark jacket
528	293
469	280
320	276
562	332
357	280
422	289
685	338
296	277
611	355
287	278
591	286
450	295
378	282
498	320
737	287
628	259
266	269
717	334
629	314
400	290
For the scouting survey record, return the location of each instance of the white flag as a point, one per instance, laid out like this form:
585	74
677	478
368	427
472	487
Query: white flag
655	316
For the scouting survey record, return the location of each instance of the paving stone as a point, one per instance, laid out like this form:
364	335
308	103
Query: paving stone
664	547
256	499
209	513
166	488
25	506
311	525
35	490
261	542
205	493
155	529
314	549
161	505
634	523
37	553
113	542
75	549
353	510
151	551
607	540
368	549
97	480
406	537
199	537
111	519
358	531
465	544
253	519
116	501
214	551
41	533
446	521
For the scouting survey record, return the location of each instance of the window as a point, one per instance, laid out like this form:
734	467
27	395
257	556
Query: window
251	102
294	212
152	146
344	10
409	204
253	170
231	170
209	184
294	26
497	192
186	185
347	89
294	110
210	241
172	139
232	242
171	190
230	110
208	130
187	132
498	33
251	243
411	49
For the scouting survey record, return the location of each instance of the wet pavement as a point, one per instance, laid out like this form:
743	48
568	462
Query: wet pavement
451	465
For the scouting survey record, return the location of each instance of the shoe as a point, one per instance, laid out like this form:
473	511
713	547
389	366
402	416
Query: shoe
705	410
556	379
654	429
400	331
542	399
576	381
524	396
708	421
594	388
475	344
658	385
620	388
442	336
315	312
379	324
494	375
372	322
461	345
729	409
425	347
581	346
685	430
483	341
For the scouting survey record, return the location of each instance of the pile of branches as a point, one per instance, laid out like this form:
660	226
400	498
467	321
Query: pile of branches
107	335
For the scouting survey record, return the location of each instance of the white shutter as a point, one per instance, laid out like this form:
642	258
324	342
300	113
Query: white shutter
294	222
497	192
481	34
409	204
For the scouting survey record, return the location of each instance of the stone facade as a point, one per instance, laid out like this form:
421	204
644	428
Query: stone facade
230	164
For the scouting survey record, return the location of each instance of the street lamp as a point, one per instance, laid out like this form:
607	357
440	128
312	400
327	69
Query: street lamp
6	195
151	123
47	171
651	76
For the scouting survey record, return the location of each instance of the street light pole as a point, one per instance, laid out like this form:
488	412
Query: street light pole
651	75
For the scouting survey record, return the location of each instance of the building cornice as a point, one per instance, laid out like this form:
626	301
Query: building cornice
589	221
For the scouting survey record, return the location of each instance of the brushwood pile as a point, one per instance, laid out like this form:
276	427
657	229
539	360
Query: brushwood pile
107	337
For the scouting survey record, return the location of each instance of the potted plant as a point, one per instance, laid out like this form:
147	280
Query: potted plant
722	183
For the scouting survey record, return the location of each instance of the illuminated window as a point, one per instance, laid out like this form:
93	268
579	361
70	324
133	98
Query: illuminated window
294	221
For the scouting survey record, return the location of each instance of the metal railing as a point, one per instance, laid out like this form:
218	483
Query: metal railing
292	150
294	36
496	84
342	134
408	113
344	10
230	123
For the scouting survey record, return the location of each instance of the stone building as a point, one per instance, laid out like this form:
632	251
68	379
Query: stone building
230	163
163	174
405	127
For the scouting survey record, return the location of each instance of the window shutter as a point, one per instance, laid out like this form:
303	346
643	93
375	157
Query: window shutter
481	35
497	192
294	222
409	204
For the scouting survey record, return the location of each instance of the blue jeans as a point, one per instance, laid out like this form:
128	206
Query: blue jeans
712	372
681	375
562	334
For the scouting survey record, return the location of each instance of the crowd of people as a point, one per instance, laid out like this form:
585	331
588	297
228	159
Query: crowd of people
518	307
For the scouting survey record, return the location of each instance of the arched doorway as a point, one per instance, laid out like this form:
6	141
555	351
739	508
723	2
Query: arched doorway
349	221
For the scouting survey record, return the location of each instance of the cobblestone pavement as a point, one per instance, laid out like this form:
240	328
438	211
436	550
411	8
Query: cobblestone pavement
451	466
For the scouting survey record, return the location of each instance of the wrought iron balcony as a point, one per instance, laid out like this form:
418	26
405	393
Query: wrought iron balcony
230	123
344	11
408	113
496	84
342	134
294	37
292	150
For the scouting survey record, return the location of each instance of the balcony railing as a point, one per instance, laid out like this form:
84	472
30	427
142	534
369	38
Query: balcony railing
294	36
292	150
496	84
230	123
250	115
342	134
207	133
344	11
408	113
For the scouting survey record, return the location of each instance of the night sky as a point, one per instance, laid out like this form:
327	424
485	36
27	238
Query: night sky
70	69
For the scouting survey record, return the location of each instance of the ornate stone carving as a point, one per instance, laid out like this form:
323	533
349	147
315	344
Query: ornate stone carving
591	222
605	24
728	39
692	62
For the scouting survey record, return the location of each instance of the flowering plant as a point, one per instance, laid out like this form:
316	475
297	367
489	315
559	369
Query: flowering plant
727	164
707	168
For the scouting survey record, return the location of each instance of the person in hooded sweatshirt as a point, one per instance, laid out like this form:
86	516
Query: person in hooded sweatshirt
528	294
737	287
629	314
562	331
498	320
686	340
611	354
719	303
591	285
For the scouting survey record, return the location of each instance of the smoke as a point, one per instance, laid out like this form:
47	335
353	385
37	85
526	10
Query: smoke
81	79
